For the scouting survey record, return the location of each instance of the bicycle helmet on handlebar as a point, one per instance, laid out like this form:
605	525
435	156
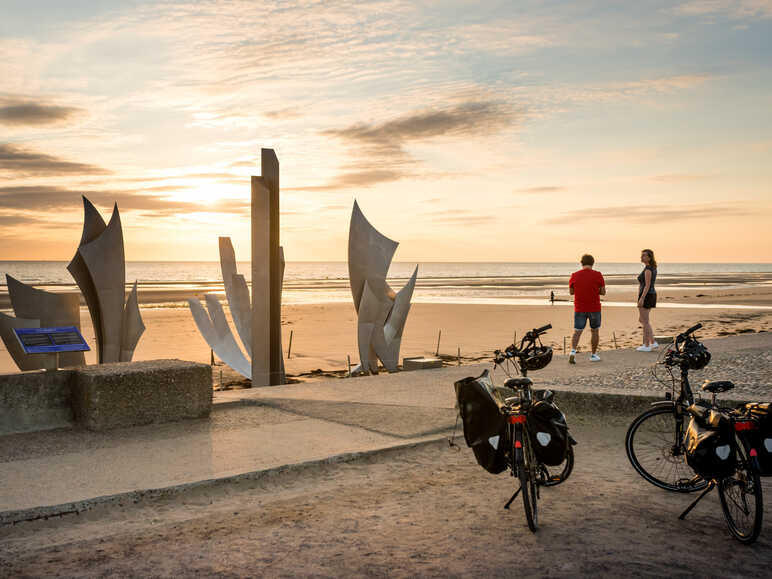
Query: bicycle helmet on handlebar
536	358
695	354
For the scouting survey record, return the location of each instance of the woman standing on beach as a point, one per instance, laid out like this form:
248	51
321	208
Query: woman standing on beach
647	299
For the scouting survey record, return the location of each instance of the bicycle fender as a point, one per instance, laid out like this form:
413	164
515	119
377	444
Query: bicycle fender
668	403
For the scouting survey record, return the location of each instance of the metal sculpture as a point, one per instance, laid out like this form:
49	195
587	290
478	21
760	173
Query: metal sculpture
212	322
99	269
259	324
381	312
35	308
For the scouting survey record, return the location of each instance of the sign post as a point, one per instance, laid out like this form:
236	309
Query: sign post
50	342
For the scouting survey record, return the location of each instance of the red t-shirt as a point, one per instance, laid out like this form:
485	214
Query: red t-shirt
586	283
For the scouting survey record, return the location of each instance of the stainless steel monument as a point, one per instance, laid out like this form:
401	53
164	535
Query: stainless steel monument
99	269
36	308
381	312
259	324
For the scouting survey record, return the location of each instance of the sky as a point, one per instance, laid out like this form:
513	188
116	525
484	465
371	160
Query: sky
467	131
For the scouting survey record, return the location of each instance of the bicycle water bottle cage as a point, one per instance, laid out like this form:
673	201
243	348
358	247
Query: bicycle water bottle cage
717	386
517	383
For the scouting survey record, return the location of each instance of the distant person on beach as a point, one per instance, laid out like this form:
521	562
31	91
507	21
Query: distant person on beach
552	297
586	285
647	299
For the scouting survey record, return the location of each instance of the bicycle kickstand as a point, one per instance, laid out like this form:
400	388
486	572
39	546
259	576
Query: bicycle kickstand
711	486
514	496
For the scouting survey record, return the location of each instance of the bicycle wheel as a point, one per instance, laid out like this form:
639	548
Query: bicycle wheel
554	475
742	502
528	486
656	455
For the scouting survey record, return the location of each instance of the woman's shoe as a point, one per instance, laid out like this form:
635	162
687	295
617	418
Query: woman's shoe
644	348
654	346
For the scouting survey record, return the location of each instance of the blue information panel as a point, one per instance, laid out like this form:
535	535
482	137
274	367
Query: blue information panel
51	340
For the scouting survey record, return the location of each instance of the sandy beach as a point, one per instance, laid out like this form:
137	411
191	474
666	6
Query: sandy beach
323	335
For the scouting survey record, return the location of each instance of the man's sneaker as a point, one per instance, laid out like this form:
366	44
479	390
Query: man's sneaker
594	358
654	346
572	357
644	348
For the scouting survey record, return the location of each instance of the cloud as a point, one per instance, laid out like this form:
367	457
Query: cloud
379	148
20	162
470	118
733	9
677	178
354	179
543	189
45	199
647	214
17	112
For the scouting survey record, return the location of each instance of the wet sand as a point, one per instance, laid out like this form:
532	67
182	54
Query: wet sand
324	334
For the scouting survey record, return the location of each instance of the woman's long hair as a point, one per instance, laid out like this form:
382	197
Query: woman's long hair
652	261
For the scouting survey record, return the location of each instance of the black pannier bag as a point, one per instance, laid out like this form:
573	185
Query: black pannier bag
485	428
549	433
709	446
760	438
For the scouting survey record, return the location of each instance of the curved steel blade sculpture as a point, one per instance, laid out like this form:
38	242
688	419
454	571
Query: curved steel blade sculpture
382	314
212	322
99	269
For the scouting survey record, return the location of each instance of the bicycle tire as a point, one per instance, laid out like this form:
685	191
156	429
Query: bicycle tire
655	460
528	486
733	493
547	480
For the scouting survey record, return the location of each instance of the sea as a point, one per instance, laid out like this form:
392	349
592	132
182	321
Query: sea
438	282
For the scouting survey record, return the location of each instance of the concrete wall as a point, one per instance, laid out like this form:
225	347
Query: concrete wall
105	396
36	400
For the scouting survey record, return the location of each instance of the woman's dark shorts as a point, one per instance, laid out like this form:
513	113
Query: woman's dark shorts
650	301
580	320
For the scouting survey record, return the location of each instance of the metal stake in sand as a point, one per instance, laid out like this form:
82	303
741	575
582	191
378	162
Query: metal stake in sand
564	344
459	355
348	365
439	335
289	348
615	340
211	357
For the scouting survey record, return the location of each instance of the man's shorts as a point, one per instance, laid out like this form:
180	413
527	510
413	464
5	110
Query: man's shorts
580	320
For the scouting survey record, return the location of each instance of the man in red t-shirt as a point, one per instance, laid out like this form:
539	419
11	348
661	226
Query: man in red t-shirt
586	285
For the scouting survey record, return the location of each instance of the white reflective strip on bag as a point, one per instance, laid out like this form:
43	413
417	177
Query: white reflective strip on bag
494	441
543	438
723	451
768	444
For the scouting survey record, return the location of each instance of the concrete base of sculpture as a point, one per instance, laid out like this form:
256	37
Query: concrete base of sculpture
105	396
421	363
129	394
35	401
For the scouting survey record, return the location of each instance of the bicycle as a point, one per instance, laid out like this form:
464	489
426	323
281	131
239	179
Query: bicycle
523	463
656	446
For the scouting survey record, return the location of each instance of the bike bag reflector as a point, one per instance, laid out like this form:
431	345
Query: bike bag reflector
549	433
485	428
710	450
759	438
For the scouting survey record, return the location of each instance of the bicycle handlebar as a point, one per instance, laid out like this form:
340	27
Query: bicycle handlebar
681	337
512	350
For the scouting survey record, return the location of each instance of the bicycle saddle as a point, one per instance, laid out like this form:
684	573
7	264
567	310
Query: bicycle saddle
518	383
717	386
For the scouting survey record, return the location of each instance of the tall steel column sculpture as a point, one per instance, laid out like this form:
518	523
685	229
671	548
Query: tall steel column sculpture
99	269
35	308
381	312
267	274
258	325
